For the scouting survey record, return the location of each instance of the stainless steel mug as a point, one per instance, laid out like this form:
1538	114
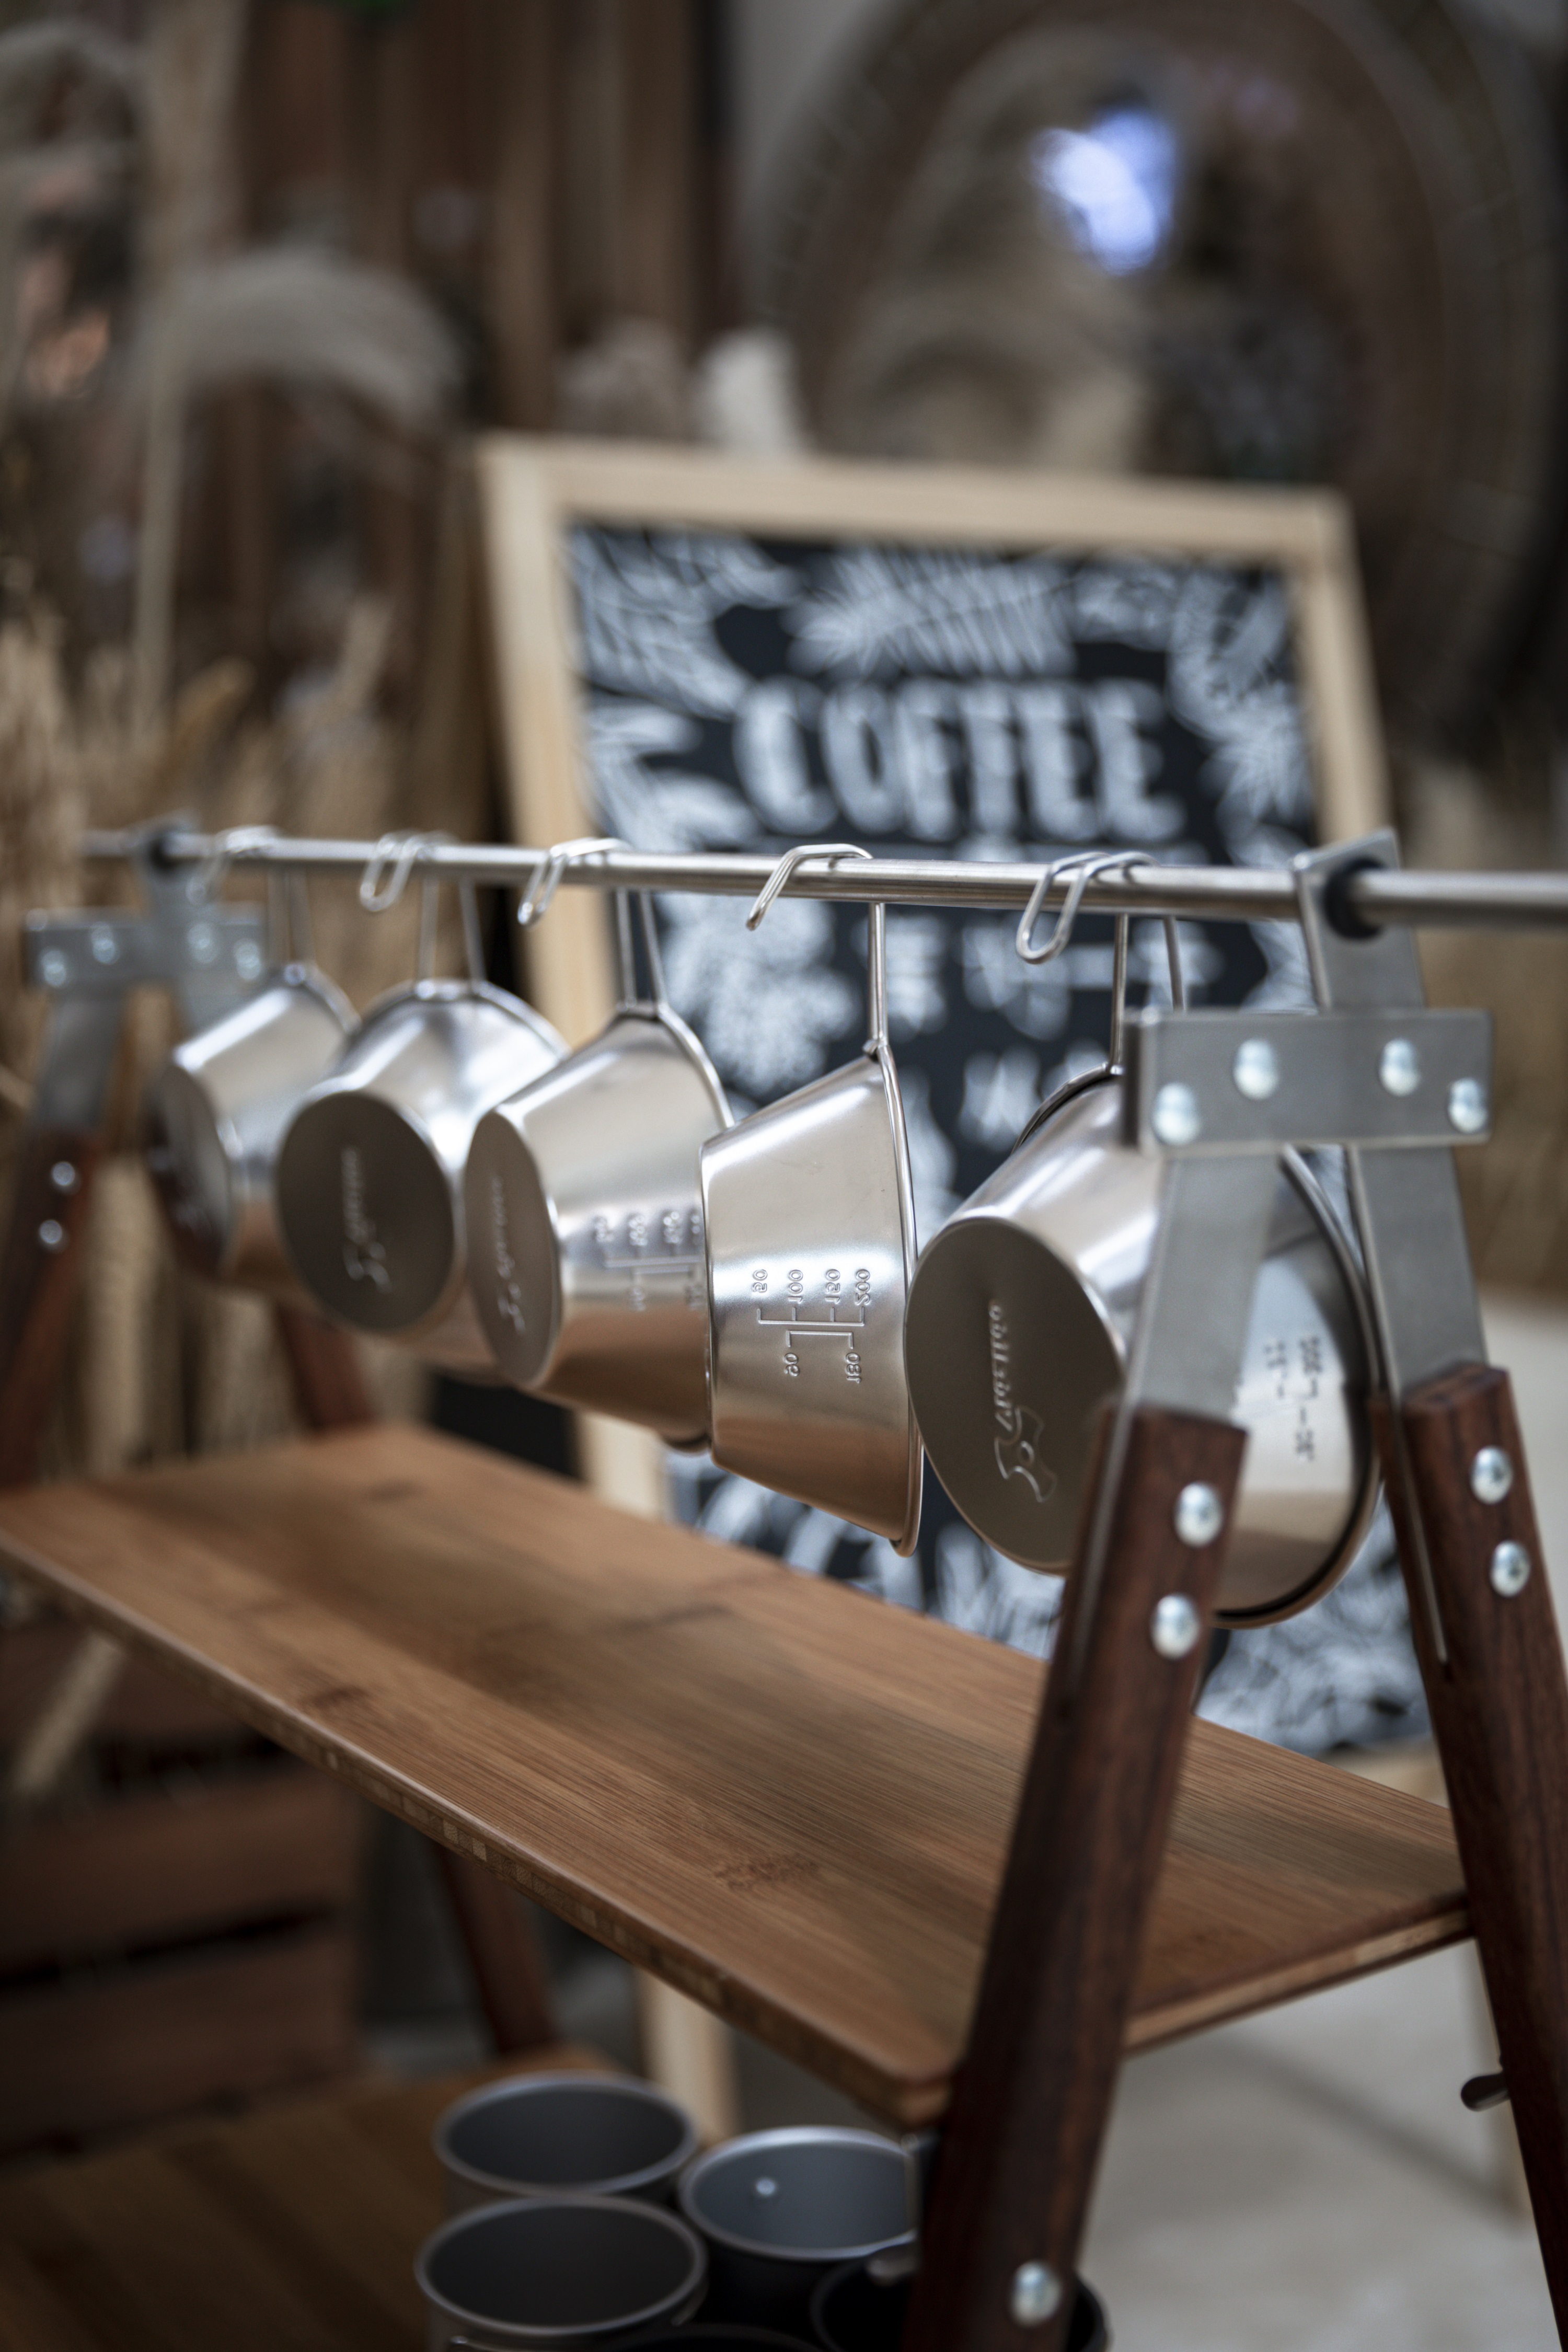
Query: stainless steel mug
779	2210
1019	1320
809	1231
215	1113
595	2134
558	2274
585	1216
370	1175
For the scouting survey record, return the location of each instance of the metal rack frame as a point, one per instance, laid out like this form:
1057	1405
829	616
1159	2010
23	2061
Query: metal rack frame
1022	2138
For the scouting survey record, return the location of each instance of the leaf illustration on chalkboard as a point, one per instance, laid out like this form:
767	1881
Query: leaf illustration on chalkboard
932	1158
1227	679
658	808
647	605
979	1591
767	1003
880	612
1130	604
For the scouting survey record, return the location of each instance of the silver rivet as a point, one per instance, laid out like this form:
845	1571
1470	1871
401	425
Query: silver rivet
1175	1119
1199	1515
63	1177
1399	1067
1175	1627
1467	1108
104	945
52	1234
1491	1475
1510	1570
247	959
54	969
764	2187
1255	1069
201	942
1036	2294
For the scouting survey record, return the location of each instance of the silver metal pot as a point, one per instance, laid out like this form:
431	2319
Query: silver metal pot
370	1174
584	1217
593	2135
558	2274
1019	1320
780	2209
214	1114
809	1231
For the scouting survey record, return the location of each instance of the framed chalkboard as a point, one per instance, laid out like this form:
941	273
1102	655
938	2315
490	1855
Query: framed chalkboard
696	652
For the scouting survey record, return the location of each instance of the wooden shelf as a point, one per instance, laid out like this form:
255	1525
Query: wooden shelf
789	1801
297	2225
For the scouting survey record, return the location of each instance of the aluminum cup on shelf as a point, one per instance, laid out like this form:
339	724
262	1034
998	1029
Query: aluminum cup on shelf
536	2135
558	2274
780	2209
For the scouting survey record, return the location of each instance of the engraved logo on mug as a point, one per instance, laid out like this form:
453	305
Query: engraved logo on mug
364	1256
508	1293
1017	1445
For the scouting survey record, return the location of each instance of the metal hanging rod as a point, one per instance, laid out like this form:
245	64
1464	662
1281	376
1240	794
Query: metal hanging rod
1448	901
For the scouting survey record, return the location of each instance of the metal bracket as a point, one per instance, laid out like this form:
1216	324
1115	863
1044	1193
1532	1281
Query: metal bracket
89	960
1208	1083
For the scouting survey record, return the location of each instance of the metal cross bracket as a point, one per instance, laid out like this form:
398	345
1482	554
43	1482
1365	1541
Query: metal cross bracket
86	962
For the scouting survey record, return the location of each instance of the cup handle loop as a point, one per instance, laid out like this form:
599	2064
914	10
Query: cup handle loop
473	938
876	930
630	995
535	900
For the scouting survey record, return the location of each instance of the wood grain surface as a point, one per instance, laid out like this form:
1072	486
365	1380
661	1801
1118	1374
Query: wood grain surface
1499	1708
297	2226
1021	2149
789	1801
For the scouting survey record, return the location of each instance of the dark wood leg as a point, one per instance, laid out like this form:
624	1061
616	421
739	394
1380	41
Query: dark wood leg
329	1385
503	1952
1499	1709
1022	2140
38	1272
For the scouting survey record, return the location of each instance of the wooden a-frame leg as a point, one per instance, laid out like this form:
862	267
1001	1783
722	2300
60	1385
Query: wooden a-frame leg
1022	2135
1499	1710
38	1269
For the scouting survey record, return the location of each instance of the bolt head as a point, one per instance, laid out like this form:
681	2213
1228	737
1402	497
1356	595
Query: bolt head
104	945
201	942
52	1235
1491	1475
1176	1117
1199	1515
1399	1067
1510	1570
1175	1628
1036	2294
1255	1069
63	1176
1467	1107
247	959
54	969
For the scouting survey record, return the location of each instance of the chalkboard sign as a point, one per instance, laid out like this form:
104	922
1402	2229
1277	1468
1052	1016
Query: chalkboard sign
727	656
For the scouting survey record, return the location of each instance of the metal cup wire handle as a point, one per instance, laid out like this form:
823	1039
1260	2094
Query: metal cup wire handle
808	1217
583	1208
1083	866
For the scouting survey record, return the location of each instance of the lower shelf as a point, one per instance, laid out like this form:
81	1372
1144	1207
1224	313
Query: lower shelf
297	2225
789	1801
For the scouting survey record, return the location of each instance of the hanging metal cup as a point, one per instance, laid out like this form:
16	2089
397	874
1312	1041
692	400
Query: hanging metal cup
808	1220
214	1114
370	1175
584	1211
1020	1318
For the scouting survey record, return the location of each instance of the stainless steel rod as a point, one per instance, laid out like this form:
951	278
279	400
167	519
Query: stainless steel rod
1436	901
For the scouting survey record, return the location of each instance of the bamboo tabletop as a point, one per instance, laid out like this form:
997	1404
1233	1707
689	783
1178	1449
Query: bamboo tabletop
786	1798
296	2225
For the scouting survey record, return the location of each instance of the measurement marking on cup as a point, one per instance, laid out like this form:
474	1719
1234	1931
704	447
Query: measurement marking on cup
843	1317
666	1244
